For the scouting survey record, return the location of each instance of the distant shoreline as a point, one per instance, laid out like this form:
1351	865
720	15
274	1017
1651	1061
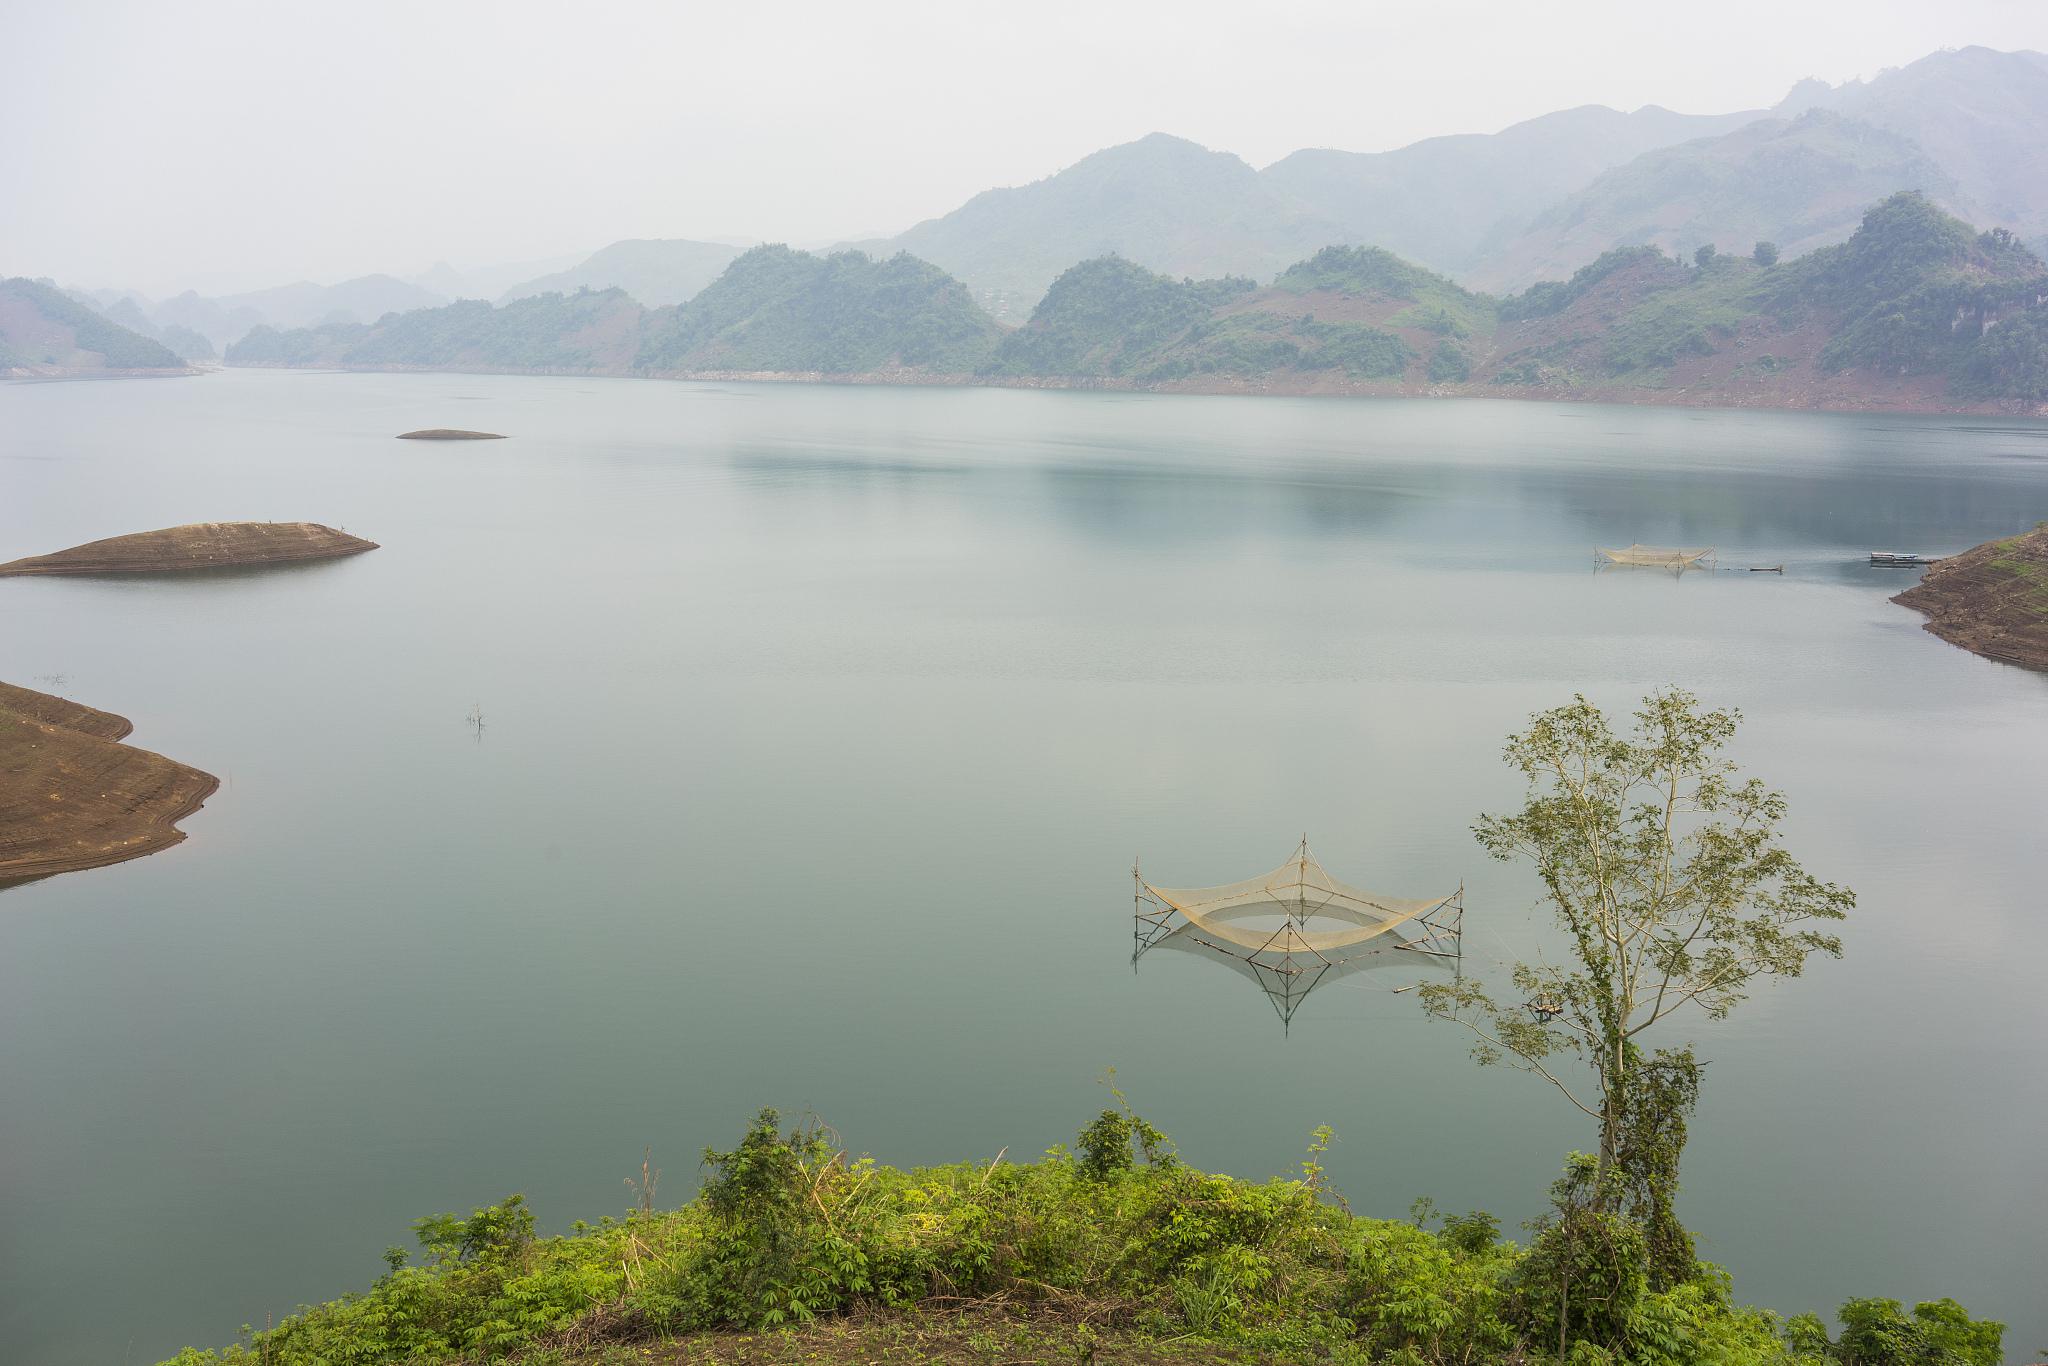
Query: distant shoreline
1320	386
58	374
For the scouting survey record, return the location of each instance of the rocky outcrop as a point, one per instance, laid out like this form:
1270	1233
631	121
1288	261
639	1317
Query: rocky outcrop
202	545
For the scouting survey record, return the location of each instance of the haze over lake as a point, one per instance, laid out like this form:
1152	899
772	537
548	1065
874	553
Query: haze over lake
820	728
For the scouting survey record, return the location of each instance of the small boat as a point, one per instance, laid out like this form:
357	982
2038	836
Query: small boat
1892	559
1767	569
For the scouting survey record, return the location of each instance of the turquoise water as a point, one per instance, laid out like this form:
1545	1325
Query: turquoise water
821	726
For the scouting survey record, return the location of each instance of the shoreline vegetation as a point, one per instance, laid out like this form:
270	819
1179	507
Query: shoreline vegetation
1991	600
1111	1250
1916	312
75	797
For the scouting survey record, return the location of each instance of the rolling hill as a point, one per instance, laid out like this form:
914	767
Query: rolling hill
1799	183
1162	202
655	273
586	331
1445	201
1916	310
776	309
45	331
1969	128
773	310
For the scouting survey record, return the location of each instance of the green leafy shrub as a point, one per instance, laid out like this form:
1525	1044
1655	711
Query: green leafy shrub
1450	364
786	1228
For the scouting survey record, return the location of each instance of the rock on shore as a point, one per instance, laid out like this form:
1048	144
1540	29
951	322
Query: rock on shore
201	545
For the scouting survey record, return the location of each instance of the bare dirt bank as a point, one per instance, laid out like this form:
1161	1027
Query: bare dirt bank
73	796
201	545
1992	600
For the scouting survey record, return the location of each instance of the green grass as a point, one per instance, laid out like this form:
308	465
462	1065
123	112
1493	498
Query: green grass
1115	1243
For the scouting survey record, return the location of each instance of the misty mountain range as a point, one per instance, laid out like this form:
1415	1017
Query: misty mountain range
1916	310
1498	212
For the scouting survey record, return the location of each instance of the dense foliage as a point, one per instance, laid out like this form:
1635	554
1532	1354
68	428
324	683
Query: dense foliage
1440	305
787	1229
1919	292
775	309
1555	296
1108	317
1912	292
45	316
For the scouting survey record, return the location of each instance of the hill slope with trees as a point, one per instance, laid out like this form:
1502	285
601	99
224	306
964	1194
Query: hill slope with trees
773	311
1916	310
779	310
1968	128
45	331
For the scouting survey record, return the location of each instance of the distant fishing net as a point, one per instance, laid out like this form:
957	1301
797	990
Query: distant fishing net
1295	928
1657	556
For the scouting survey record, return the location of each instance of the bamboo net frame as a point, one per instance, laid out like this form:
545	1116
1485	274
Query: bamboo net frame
1326	929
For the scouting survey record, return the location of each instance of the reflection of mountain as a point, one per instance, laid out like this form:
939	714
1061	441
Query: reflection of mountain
1536	489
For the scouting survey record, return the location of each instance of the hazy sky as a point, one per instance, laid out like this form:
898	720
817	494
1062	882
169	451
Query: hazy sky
234	145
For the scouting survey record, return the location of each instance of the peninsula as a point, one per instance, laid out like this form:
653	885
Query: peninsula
1991	600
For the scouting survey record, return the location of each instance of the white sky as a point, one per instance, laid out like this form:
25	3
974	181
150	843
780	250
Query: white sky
225	145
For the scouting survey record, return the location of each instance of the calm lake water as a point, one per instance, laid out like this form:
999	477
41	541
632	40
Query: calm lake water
821	727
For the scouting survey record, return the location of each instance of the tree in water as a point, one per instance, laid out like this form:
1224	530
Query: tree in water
1662	865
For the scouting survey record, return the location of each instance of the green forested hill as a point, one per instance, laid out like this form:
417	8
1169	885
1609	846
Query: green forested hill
42	327
1110	317
1915	304
1917	309
775	309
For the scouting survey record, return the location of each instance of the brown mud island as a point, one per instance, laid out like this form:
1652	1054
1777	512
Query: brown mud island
202	545
73	796
449	434
1992	600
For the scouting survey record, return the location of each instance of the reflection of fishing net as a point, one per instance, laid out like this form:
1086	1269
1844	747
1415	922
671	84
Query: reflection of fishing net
1297	927
1656	556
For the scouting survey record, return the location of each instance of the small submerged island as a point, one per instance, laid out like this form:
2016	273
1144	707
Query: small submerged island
449	434
200	545
1992	600
73	796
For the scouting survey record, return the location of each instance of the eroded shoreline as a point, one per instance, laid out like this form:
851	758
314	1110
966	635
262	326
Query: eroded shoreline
73	796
